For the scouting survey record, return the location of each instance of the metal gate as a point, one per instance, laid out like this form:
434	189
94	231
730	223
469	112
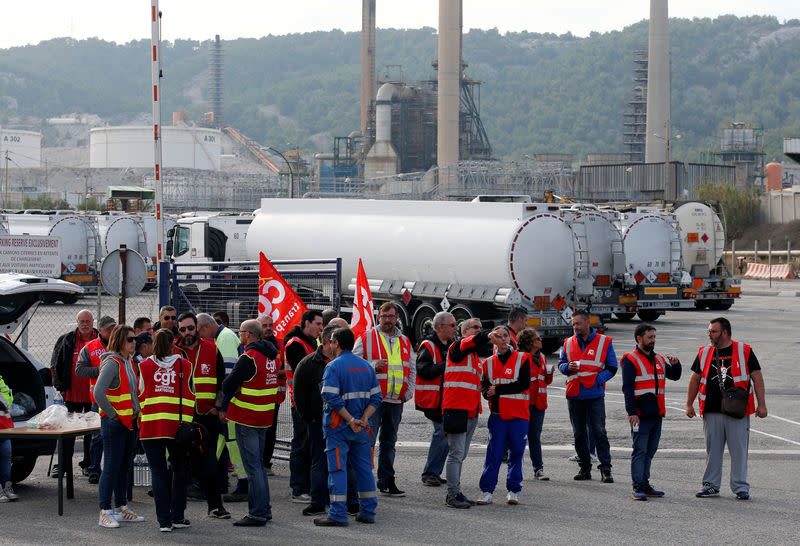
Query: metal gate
233	287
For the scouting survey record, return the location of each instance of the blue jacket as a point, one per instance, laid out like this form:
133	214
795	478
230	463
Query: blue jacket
349	381
598	391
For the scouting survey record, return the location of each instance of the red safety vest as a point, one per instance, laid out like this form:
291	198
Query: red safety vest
462	384
738	371
646	378
288	369
592	360
121	398
204	372
162	398
374	349
428	392
539	382
511	406
512	338
95	349
254	404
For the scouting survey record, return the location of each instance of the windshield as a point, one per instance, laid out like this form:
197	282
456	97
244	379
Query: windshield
181	245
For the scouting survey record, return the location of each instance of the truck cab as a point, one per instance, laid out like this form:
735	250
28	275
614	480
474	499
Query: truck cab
210	237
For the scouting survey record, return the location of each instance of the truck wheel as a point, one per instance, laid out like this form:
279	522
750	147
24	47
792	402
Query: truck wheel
700	305
648	315
461	313
423	323
720	305
624	317
21	467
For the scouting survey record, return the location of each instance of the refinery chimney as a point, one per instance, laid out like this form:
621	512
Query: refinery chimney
368	82
449	85
658	85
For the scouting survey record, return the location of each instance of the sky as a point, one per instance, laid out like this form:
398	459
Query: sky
26	22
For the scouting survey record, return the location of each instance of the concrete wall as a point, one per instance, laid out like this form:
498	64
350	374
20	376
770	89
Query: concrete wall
781	207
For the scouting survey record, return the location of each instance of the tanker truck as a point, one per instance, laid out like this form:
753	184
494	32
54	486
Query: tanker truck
80	242
120	228
702	244
653	263
471	259
209	237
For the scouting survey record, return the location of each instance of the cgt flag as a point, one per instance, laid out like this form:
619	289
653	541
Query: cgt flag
277	299
363	309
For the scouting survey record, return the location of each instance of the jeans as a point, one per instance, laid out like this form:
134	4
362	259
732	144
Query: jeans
385	423
458	445
437	452
204	467
504	434
169	488
5	462
720	430
348	453
319	465
118	444
592	413
645	445
251	445
299	456
96	450
269	444
535	437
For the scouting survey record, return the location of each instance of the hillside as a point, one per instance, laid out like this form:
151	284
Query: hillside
542	92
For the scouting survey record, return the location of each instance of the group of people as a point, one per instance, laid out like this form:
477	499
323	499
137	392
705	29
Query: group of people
195	377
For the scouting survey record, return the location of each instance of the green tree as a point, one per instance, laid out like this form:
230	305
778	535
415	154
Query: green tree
740	206
45	203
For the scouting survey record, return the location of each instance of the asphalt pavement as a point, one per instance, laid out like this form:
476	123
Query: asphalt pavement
558	511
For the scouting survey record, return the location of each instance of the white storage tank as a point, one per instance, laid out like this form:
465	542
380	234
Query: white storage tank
702	238
132	146
24	148
79	240
523	246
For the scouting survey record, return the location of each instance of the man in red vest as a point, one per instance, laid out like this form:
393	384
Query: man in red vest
588	361
300	342
431	362
516	322
208	373
724	364
644	375
390	353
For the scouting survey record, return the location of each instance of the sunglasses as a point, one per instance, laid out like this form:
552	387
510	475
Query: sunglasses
170	317
130	339
183	329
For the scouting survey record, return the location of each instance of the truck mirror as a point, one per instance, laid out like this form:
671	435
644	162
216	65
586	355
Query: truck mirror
171	232
169	247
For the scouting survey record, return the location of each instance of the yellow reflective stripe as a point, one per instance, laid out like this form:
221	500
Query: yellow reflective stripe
124	411
259	392
120	398
254	407
205	380
163	400
165	415
206	395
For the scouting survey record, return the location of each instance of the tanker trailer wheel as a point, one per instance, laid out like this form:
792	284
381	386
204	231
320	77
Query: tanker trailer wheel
720	305
21	467
624	317
648	315
461	313
423	323
700	305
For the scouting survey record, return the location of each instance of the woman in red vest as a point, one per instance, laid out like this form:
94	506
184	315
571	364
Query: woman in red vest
529	341
166	393
115	392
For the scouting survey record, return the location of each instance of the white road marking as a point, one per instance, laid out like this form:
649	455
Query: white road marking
783	419
571	448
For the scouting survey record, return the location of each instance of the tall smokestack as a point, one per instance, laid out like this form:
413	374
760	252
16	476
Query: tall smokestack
658	85
368	82
449	86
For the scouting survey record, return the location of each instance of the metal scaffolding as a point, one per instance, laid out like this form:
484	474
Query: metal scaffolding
634	119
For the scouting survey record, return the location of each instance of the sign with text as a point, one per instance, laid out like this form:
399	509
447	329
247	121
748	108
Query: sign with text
31	254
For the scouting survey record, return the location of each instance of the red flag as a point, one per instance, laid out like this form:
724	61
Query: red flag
363	309
277	299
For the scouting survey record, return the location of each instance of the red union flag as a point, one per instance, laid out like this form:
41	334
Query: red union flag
363	309
277	299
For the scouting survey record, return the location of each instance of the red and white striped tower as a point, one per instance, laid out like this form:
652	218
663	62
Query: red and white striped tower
155	23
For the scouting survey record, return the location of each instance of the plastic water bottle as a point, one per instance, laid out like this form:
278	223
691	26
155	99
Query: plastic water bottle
141	470
58	399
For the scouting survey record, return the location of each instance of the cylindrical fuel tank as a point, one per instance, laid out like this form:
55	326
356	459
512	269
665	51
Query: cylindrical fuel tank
121	229
77	233
602	237
651	244
702	235
526	246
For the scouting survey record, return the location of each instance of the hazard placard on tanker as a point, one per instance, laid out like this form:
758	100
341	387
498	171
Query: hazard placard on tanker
31	254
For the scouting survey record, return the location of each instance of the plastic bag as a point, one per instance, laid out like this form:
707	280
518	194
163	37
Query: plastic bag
92	419
54	417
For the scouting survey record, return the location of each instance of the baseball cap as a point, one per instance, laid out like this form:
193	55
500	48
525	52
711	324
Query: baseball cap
106	322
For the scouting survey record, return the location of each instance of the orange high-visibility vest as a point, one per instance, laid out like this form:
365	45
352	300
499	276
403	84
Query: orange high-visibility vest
539	382
646	377
738	371
163	397
396	374
288	369
510	406
254	404
121	398
428	392
592	360
204	372
95	349
462	384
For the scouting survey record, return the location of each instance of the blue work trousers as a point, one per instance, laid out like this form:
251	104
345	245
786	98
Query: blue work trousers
504	435
437	452
347	447
645	445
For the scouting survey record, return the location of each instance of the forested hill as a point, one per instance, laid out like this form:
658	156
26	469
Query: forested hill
542	92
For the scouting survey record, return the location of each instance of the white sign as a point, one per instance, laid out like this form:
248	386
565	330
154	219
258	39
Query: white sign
31	254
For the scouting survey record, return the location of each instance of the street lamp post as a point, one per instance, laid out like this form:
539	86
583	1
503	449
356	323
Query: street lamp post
291	172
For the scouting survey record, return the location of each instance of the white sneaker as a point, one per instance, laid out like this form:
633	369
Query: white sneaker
303	498
9	491
540	475
3	496
485	498
126	515
574	458
165	529
107	519
512	498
